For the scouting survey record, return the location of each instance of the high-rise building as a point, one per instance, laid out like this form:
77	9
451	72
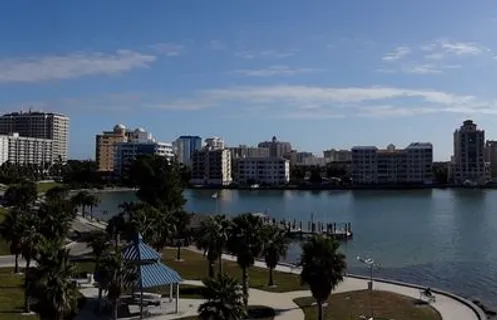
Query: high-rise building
270	171
185	147
26	150
214	143
105	146
412	165
491	157
211	167
469	155
40	125
277	148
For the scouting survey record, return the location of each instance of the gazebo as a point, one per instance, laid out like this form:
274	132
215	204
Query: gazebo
150	271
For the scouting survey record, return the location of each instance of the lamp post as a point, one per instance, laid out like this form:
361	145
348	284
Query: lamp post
370	263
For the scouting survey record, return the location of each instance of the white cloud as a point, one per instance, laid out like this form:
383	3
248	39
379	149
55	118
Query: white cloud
441	48
168	49
274	71
398	53
265	54
35	69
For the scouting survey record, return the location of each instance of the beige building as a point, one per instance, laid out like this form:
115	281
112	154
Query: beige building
277	148
270	171
412	165
105	146
26	150
211	167
334	155
243	151
40	125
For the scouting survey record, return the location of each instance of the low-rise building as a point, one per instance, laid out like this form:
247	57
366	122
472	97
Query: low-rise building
211	167
26	150
269	171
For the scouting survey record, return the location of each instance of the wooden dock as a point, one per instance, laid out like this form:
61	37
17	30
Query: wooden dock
336	230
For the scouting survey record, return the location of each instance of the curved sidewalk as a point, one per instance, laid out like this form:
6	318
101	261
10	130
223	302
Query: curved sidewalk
450	306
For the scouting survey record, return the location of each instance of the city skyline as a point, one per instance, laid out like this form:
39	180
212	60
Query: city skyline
330	75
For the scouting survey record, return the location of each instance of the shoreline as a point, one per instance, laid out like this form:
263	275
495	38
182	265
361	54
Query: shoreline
342	188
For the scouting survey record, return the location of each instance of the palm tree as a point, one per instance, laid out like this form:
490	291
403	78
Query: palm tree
56	218
29	240
99	242
275	247
246	242
80	199
11	230
56	193
21	195
92	201
115	276
56	293
323	268
212	238
224	297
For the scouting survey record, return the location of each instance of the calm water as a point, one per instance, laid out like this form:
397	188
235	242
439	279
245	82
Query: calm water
439	238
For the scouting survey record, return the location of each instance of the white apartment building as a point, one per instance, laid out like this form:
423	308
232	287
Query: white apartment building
469	155
412	165
40	125
271	171
214	143
364	165
25	150
140	143
211	167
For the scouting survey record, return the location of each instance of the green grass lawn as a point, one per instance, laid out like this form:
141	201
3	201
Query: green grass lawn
12	296
386	305
45	186
195	267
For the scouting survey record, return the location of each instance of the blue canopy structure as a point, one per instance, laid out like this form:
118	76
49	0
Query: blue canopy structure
150	271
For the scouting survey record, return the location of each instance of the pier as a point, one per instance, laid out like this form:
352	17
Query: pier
299	229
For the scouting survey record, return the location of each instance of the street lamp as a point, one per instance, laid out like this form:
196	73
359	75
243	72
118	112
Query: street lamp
370	263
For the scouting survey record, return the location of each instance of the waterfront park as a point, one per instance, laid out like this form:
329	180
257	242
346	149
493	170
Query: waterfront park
155	260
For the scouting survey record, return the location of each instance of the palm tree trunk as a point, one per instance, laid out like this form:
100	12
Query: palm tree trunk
220	263
16	263
320	310
114	309
245	285
26	283
178	252
271	277
91	212
211	269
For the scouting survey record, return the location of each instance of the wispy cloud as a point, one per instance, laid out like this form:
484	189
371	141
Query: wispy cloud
168	49
295	102
251	54
441	48
35	69
274	71
398	53
420	69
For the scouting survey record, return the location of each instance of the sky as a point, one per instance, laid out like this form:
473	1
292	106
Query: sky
320	74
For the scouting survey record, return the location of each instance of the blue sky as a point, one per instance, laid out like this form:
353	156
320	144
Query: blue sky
320	74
